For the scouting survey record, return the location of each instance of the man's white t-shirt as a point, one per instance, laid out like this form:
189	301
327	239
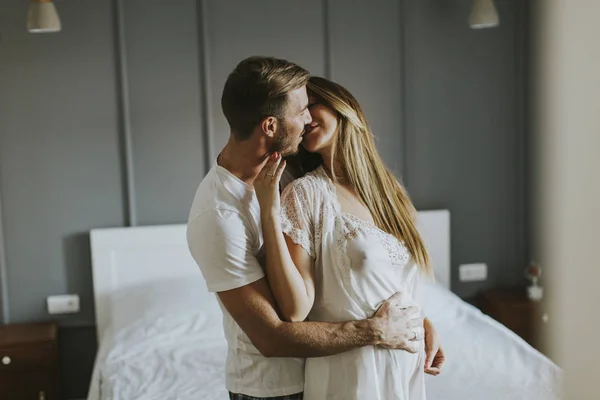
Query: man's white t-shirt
225	238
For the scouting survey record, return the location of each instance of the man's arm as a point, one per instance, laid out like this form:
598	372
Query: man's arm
253	307
231	270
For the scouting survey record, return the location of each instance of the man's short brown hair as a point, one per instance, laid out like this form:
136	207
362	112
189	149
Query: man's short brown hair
257	88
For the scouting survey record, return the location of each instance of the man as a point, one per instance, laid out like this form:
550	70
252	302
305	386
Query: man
266	105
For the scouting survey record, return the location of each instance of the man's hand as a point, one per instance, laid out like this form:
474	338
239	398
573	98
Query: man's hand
398	325
434	355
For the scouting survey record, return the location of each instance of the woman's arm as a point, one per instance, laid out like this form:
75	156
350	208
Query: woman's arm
290	271
289	267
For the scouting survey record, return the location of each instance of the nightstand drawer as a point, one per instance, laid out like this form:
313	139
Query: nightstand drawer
541	316
41	355
512	308
28	385
29	362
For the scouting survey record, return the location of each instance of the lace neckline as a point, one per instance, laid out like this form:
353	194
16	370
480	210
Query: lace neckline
338	208
334	197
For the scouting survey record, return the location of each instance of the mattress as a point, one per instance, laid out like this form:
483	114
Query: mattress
167	343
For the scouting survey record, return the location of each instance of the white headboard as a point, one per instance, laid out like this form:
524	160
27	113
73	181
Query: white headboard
434	227
125	257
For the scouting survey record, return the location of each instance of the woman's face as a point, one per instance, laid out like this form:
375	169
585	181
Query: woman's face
319	135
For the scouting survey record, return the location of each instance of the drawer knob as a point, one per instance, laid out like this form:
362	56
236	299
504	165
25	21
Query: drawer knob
545	318
6	360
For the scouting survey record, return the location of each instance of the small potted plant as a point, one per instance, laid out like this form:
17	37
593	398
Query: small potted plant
534	272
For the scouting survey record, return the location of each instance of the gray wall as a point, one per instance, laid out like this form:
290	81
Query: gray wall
115	120
465	126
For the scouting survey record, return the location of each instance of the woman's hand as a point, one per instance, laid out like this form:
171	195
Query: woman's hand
266	186
434	355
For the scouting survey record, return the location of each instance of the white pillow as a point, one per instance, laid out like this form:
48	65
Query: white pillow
178	296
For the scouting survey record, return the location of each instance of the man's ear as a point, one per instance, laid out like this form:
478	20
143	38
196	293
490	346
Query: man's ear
269	126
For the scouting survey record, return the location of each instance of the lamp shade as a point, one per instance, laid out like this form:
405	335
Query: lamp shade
484	15
42	17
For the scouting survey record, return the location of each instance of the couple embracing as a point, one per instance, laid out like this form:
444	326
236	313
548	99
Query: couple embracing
318	283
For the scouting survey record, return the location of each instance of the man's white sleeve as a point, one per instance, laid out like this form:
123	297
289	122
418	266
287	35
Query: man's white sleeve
221	244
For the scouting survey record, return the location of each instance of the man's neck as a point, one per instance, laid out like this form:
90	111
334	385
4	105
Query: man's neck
242	159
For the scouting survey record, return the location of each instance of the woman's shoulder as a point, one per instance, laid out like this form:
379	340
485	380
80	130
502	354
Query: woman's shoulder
312	183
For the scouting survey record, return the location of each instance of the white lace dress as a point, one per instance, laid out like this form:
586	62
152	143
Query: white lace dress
357	267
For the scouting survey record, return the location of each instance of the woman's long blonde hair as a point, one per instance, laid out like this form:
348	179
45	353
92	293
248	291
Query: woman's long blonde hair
358	163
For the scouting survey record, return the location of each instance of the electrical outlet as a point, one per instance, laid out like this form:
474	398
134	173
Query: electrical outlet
472	272
63	304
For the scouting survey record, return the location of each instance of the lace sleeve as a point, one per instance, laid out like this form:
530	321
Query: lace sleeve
296	218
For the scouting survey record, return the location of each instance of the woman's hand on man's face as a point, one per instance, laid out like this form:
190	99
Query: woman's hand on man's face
266	186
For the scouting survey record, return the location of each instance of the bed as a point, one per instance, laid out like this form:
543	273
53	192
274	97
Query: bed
160	333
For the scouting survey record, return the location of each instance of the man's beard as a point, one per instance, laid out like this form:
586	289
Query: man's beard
284	142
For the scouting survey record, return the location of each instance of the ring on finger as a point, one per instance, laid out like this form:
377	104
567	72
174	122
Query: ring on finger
268	174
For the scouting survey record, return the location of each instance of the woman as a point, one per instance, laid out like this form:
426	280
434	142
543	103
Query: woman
344	241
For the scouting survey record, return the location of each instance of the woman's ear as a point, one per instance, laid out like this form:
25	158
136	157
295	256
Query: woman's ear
269	126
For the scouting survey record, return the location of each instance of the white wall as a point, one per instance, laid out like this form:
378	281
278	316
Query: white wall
568	126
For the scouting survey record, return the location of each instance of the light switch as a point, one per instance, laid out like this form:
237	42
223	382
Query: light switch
63	304
472	272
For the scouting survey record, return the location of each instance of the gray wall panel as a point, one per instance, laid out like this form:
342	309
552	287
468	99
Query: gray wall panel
58	153
77	346
162	55
462	143
366	46
289	30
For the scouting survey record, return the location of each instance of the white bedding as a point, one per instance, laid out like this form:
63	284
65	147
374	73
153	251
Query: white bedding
167	343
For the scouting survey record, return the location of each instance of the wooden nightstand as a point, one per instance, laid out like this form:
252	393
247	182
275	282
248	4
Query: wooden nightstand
29	362
512	308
